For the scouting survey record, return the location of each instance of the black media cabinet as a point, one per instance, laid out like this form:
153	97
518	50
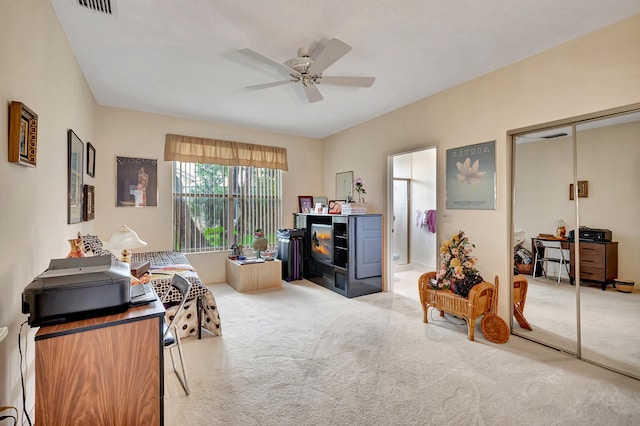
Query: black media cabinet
352	265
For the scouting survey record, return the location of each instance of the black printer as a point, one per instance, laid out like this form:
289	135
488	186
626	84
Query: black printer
594	234
77	288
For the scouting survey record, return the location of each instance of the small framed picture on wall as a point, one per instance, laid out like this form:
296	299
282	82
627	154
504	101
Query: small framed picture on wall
91	160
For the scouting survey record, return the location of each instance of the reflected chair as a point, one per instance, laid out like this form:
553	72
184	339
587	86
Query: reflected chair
170	336
543	255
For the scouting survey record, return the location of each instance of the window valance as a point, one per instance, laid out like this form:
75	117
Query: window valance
192	149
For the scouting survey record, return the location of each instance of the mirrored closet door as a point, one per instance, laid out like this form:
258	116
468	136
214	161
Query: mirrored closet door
543	170
608	159
583	176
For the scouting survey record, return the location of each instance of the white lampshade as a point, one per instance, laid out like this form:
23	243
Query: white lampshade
125	239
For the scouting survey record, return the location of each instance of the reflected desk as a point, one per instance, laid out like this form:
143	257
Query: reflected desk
598	259
547	248
598	262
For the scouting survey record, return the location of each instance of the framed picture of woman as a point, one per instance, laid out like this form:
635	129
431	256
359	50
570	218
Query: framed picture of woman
136	182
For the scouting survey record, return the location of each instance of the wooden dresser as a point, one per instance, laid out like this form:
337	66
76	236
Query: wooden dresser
102	371
598	262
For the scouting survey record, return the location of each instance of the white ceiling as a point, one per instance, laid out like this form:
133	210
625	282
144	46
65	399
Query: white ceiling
181	57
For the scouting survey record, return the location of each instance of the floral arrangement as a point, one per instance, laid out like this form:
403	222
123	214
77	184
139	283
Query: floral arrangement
457	267
360	188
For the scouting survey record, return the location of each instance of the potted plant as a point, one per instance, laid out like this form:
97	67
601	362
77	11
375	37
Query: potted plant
258	233
457	267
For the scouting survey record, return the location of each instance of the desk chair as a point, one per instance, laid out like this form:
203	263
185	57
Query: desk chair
170	335
542	256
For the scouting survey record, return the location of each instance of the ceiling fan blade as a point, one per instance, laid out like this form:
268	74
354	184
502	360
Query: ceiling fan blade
334	50
255	55
312	92
347	81
267	85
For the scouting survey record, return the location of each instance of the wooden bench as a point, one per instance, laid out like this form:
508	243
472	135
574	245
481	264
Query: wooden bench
477	304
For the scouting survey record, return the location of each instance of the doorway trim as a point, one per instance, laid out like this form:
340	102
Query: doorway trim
388	221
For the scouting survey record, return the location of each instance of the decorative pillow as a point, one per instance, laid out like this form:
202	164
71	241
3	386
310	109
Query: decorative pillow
93	244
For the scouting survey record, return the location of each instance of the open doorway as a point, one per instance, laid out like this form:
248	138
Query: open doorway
411	212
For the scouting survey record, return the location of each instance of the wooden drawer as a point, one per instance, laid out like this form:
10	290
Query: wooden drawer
592	252
598	261
587	273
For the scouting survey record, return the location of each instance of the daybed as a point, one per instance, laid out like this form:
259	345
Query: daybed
201	305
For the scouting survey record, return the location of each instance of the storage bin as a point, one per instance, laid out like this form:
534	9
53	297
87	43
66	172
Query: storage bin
625	286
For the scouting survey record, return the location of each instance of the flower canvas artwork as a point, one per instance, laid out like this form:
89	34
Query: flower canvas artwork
471	177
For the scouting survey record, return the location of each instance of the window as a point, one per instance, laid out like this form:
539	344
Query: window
215	206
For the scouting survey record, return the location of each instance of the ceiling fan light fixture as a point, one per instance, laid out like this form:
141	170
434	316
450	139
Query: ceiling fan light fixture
308	71
301	64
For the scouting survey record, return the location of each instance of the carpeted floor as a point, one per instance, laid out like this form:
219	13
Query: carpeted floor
303	355
608	321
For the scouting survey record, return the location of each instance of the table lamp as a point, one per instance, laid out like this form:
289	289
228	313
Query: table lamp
561	228
125	239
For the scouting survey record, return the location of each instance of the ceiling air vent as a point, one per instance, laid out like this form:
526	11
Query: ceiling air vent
100	6
555	135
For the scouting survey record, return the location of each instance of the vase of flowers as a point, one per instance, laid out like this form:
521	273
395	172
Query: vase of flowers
359	183
457	267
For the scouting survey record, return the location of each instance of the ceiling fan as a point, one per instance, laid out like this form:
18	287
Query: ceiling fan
308	67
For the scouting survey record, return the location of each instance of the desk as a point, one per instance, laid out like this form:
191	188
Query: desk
254	276
598	262
105	370
539	247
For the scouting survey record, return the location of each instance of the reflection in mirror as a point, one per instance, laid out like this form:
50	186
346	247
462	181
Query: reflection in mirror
543	172
344	186
608	154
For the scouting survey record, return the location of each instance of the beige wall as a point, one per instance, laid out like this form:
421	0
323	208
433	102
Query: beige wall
608	159
598	71
134	134
38	69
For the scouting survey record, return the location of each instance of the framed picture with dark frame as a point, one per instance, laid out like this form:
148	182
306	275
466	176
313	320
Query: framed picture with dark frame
75	177
583	189
136	182
91	160
305	203
23	134
89	212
